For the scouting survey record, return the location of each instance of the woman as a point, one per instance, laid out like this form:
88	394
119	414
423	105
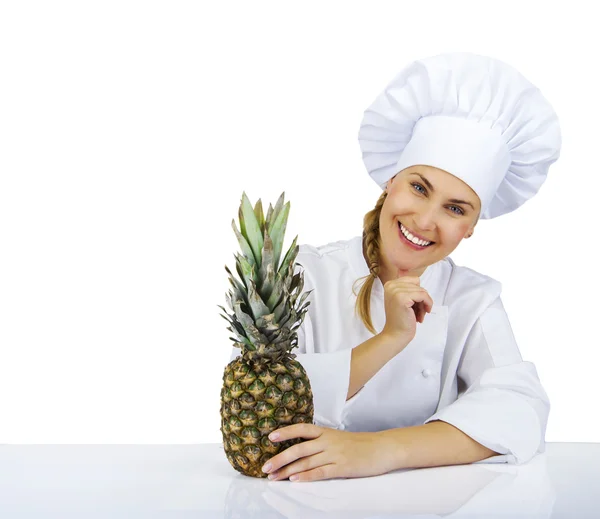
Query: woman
421	368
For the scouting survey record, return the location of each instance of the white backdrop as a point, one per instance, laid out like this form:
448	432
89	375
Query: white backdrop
128	131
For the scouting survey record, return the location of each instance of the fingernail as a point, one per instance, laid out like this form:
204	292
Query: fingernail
273	436
267	467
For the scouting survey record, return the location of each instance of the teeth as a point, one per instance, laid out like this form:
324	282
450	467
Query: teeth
412	238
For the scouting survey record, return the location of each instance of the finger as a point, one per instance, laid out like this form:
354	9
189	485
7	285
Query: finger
318	474
425	306
298	430
427	302
301	465
421	316
406	289
405	282
414	298
416	280
291	454
419	312
417	297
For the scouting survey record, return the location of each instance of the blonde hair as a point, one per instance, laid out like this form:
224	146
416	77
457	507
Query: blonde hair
371	241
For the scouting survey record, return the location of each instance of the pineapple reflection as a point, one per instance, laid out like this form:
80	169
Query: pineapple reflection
244	500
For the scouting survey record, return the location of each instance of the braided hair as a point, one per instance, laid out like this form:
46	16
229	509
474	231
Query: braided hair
371	242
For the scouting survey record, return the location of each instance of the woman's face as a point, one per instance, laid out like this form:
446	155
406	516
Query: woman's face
432	204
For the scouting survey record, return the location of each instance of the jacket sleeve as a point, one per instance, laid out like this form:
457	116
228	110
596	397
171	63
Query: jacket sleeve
502	404
328	374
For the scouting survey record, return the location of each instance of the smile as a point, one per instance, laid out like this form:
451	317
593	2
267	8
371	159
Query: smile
411	240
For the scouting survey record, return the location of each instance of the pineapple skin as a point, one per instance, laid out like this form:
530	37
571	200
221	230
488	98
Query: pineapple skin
257	398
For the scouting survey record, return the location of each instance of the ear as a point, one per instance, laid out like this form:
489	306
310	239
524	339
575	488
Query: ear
389	182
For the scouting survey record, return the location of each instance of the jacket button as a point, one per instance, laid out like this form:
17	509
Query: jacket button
426	372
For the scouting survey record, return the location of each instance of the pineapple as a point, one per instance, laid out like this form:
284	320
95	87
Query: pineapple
264	388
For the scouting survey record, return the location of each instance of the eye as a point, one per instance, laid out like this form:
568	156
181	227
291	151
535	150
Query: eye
416	184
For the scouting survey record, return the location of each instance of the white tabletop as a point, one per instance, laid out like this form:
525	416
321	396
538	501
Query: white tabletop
158	480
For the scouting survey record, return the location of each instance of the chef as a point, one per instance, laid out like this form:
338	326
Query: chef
411	358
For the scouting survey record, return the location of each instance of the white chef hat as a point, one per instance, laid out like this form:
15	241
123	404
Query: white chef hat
470	115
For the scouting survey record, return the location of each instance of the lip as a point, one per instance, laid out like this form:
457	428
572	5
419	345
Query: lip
411	244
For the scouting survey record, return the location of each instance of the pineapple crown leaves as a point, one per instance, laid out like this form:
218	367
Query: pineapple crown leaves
266	311
254	227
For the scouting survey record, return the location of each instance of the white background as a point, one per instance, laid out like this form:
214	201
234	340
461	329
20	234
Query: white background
128	132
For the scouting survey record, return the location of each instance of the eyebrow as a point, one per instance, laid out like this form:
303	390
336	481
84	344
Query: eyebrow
453	200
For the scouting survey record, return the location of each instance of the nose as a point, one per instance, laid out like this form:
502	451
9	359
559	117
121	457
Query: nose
425	219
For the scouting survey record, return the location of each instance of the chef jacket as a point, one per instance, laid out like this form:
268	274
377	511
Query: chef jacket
462	367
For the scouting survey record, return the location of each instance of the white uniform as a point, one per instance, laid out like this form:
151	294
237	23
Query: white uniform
462	367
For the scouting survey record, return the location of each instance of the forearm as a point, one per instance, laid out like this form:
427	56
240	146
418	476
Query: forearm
369	357
434	444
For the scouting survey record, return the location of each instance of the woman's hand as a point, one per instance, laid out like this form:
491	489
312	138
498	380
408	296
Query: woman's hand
329	454
405	304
